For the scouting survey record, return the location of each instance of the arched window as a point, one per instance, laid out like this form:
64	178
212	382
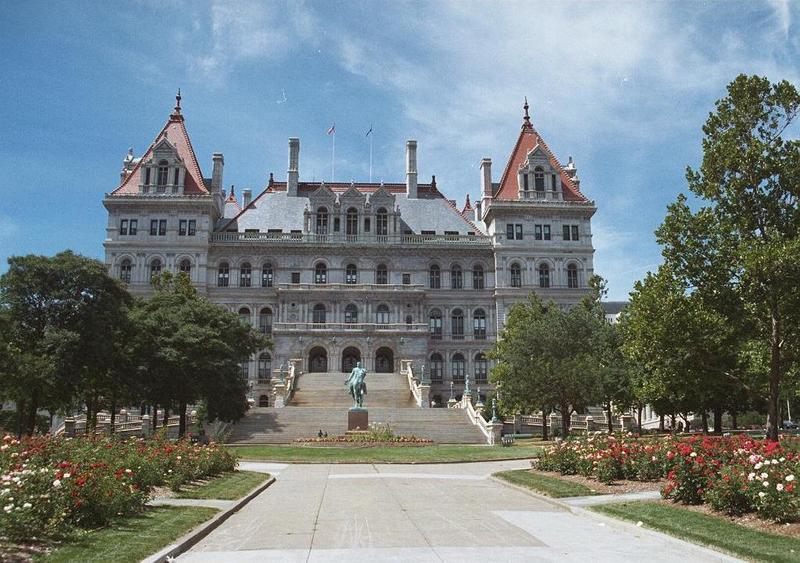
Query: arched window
477	277
479	324
381	274
264	368
163	172
538	179
322	221
125	269
265	320
459	368
245	275
544	275
186	267
381	222
244	366
351	222
223	275
516	275
382	315
351	274
572	276
318	314
244	316
457	324
456	277
437	367
320	273
481	368
155	269
435	275
266	275
409	320
435	324
351	314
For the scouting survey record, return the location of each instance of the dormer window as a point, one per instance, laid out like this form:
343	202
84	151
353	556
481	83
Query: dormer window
161	178
525	182
538	179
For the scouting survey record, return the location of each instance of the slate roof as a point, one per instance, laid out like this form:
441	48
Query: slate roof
614	307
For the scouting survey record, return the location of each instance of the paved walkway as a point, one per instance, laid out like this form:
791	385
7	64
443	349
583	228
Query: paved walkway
446	512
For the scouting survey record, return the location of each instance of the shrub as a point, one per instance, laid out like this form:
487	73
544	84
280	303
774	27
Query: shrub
775	495
730	492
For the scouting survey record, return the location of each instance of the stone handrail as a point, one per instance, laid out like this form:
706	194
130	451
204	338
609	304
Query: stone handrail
350	327
378	240
490	430
420	391
282	389
123	424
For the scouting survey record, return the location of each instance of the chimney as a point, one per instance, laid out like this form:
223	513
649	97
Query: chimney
247	196
486	177
478	217
292	174
216	175
411	168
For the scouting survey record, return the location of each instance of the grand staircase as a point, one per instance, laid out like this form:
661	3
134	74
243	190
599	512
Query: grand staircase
320	402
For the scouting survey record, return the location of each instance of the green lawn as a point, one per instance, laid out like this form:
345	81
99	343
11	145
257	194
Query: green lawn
383	454
133	539
229	486
550	486
703	529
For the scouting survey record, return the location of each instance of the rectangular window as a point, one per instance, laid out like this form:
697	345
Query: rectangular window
162	227
295	277
518	233
336	224
154	227
182	227
555	183
426	233
525	185
192	227
574	232
565	229
546	232
406	279
510	231
537	232
123	227
366	225
133	227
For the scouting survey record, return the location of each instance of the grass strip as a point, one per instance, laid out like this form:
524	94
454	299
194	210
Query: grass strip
550	486
707	530
383	454
229	486
134	538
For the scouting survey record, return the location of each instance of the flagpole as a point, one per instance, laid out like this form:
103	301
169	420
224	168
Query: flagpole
370	155
333	151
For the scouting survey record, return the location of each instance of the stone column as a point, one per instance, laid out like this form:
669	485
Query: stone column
69	426
590	427
146	426
279	391
494	429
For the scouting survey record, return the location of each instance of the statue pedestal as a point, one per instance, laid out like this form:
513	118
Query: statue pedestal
357	419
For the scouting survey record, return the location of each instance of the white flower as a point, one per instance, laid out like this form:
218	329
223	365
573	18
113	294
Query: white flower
653	458
782	459
762	494
765	483
779	486
775	462
57	483
67	475
8	507
764	475
693	454
751	476
758	465
790	478
27	505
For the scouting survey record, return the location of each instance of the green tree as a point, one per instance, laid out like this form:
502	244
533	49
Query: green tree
748	184
189	349
63	314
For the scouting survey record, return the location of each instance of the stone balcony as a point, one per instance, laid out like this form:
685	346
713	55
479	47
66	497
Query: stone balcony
364	239
351	328
358	287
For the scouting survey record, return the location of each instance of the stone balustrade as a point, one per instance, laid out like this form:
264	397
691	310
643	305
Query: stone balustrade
361	239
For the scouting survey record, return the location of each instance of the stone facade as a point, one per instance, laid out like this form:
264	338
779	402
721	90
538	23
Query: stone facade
340	273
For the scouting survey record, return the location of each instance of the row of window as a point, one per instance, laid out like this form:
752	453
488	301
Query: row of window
264	367
126	268
515	275
162	177
457	324
158	227
541	232
538	180
352	222
458	368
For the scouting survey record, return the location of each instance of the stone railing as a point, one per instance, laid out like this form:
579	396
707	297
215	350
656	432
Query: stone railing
350	327
124	423
362	239
283	387
420	390
365	287
527	424
491	430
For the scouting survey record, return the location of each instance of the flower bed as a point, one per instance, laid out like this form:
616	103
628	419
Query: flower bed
49	486
378	433
734	475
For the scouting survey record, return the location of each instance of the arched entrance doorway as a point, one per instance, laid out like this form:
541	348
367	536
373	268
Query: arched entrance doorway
263	401
318	359
350	356
384	360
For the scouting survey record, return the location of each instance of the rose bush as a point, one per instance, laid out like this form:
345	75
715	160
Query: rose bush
51	485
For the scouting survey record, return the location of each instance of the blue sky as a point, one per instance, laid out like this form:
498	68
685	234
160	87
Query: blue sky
622	87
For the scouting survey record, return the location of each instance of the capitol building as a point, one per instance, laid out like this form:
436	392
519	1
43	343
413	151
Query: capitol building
337	273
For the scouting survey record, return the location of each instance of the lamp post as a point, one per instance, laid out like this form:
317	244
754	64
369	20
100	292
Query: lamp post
494	411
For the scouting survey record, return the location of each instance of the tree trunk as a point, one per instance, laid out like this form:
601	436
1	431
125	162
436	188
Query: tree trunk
32	408
154	420
639	410
608	418
564	420
89	407
113	416
673	423
661	422
704	421
734	420
182	419
166	417
21	410
718	420
545	432
774	375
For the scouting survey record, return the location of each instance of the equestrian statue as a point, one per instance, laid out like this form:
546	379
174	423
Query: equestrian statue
356	385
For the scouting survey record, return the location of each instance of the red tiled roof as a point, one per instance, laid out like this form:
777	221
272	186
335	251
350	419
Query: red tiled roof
528	140
175	132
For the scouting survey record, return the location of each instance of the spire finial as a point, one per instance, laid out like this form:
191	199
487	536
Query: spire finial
525	107
178	101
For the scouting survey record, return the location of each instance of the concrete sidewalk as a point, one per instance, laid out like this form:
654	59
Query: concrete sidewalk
447	512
